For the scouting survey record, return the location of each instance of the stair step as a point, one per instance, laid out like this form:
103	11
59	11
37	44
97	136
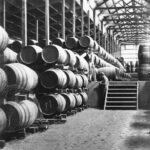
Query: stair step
127	89
121	108
123	93
121	101
121	97
122	90
121	86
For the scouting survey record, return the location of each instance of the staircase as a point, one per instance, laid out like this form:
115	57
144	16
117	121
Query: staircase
122	95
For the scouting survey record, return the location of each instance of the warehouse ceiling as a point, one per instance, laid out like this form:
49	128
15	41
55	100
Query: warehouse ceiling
129	19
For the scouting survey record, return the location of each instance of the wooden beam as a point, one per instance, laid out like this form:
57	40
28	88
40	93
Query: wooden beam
100	8
99	38
82	18
130	19
24	23
63	19
122	14
47	34
94	12
37	30
74	17
88	22
4	14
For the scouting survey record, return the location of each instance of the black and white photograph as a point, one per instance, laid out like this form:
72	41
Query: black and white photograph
75	74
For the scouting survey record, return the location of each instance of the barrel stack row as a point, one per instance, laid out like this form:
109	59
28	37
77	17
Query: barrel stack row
62	79
144	62
102	59
15	115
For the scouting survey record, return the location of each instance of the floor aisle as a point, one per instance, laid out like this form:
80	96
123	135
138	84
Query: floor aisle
92	129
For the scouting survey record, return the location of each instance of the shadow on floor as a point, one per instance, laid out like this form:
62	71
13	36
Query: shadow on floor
141	117
147	112
140	125
138	142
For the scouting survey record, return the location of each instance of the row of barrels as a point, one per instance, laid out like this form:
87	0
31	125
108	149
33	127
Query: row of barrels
51	54
87	42
17	76
99	62
113	73
20	76
57	103
25	79
71	43
57	78
15	116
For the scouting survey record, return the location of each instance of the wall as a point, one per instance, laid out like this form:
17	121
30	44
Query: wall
144	94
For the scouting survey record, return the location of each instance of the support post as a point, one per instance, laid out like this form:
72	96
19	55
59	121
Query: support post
94	24
47	21
63	19
99	38
24	23
88	22
4	14
37	30
82	19
74	18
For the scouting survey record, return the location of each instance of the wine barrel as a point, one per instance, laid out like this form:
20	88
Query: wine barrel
53	78
3	81
52	104
3	121
96	60
86	41
71	79
71	61
31	54
15	115
72	43
27	115
21	76
85	80
96	46
70	100
4	39
31	112
79	81
144	72
78	100
73	100
81	63
16	46
110	72
144	54
52	54
59	42
103	63
9	56
84	97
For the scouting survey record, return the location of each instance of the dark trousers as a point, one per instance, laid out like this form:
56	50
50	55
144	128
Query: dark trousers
102	96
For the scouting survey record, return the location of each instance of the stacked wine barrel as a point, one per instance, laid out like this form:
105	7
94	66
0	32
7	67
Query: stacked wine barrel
62	80
144	62
15	77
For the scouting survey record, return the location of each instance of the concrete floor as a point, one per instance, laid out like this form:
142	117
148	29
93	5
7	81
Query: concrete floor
93	129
